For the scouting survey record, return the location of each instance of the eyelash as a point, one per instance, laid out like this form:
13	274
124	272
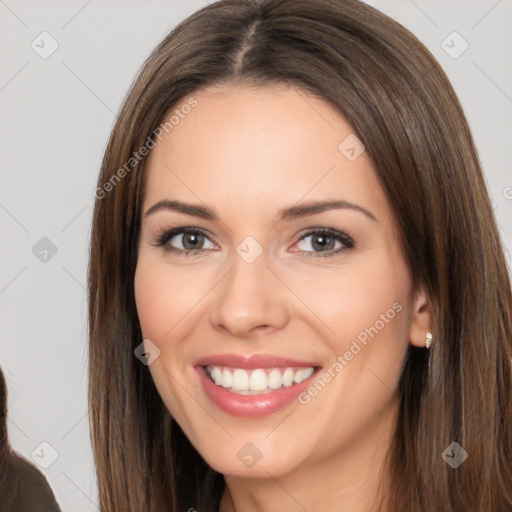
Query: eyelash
164	236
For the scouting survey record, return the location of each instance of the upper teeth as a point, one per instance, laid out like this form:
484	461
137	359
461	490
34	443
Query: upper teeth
239	380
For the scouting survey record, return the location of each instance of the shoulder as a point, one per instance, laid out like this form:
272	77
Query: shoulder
34	493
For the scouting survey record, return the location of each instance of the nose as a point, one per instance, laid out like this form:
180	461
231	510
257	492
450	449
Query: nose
250	299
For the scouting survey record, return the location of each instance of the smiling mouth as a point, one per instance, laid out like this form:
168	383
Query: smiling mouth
257	381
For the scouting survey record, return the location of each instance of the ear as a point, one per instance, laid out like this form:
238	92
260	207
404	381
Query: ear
420	319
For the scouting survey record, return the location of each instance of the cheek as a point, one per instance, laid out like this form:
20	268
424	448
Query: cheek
358	298
366	307
163	298
162	302
151	300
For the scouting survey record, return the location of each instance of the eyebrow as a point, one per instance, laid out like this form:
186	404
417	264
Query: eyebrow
291	213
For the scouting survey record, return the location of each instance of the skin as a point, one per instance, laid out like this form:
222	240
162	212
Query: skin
246	153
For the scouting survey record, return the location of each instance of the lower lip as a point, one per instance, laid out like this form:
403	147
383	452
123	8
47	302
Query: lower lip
251	406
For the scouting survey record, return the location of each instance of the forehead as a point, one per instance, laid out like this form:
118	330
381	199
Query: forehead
258	147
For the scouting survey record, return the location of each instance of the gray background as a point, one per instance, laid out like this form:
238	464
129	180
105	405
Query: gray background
57	113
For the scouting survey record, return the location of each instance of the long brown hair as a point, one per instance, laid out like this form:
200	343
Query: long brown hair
4	441
402	106
8	481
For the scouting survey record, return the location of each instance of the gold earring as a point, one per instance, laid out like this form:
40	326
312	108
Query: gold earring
428	341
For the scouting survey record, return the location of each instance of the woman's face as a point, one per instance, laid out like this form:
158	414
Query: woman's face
301	312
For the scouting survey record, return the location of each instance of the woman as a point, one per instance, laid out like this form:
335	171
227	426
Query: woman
298	296
22	487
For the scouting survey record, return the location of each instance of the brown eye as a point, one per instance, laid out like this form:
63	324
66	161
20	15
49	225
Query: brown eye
328	241
190	241
184	240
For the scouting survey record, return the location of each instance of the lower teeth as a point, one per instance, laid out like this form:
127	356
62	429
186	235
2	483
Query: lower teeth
250	392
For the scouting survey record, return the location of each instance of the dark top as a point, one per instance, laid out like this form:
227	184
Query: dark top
30	489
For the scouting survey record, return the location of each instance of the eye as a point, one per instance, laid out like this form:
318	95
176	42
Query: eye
192	241
184	241
324	242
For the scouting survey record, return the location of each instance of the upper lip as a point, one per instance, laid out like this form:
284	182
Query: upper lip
252	361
